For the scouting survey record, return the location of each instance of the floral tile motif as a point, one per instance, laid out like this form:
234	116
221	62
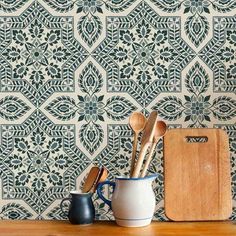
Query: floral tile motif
12	108
11	6
143	54
197	107
114	156
220	54
14	211
196	25
38	52
71	73
91	108
89	24
41	165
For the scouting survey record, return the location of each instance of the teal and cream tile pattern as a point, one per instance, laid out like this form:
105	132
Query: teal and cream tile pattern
71	73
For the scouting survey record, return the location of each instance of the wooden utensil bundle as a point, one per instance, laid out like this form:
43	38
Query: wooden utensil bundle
153	130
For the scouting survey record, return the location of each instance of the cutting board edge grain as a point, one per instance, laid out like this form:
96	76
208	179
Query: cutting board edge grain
223	181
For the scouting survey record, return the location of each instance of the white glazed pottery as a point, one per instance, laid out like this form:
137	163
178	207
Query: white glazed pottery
133	200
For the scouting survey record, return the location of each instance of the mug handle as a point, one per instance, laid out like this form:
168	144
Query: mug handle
61	205
99	191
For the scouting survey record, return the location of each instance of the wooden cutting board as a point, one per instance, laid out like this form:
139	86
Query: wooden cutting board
197	175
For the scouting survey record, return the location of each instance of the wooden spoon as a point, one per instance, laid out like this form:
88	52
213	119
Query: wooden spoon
91	179
137	122
160	131
147	139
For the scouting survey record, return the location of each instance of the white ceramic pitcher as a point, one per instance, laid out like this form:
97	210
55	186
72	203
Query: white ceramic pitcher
133	200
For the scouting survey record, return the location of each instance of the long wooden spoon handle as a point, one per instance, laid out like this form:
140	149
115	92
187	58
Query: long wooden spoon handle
134	153
144	171
139	162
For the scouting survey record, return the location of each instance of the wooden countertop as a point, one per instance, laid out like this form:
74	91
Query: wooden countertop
103	228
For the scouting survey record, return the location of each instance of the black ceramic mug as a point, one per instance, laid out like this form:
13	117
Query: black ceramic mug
81	208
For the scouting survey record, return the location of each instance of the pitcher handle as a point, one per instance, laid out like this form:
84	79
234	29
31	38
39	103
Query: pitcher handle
61	205
99	191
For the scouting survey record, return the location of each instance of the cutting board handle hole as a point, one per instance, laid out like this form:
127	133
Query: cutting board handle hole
196	139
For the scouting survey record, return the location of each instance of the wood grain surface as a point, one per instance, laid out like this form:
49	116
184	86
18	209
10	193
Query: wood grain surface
61	228
197	175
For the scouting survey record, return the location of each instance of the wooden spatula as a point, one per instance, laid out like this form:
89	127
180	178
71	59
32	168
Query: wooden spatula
91	179
102	177
160	131
146	141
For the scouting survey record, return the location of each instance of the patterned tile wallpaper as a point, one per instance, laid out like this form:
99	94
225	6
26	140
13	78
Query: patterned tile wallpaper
71	73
